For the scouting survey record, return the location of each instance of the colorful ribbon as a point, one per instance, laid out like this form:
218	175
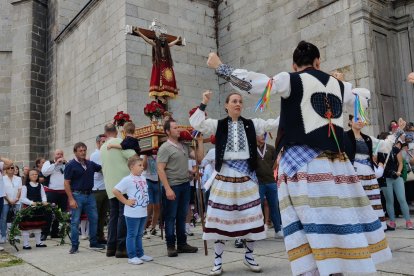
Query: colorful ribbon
265	98
331	129
359	111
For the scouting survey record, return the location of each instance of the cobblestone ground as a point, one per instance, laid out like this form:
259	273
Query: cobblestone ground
270	254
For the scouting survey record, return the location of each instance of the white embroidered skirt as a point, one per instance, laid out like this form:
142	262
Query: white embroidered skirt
328	221
370	184
234	209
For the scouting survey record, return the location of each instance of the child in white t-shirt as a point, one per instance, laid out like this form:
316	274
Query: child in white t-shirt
135	211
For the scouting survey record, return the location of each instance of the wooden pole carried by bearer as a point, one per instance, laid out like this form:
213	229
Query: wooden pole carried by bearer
201	197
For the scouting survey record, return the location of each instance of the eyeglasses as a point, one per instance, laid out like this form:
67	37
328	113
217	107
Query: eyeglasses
11	168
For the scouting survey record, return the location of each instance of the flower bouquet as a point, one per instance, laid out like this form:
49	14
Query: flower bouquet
154	110
121	118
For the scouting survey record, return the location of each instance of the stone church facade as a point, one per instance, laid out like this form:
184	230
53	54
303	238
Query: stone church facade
66	66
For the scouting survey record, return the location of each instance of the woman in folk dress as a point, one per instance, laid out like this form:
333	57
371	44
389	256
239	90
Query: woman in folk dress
234	208
328	222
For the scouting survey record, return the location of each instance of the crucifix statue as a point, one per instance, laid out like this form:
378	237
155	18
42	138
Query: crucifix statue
163	84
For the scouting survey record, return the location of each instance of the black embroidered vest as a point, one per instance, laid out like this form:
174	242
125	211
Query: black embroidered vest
302	115
350	146
221	141
34	193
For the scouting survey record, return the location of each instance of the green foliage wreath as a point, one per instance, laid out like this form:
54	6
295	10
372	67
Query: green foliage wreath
62	217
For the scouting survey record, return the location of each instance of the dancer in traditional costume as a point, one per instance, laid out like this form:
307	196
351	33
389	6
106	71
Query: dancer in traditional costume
234	208
359	149
32	194
162	82
328	222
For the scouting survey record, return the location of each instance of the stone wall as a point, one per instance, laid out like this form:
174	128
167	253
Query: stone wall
90	71
261	36
66	10
192	20
5	73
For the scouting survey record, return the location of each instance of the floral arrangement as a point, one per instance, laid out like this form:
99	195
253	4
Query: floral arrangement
121	118
154	109
62	217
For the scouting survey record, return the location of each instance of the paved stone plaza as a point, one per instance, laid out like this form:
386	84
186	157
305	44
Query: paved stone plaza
270	254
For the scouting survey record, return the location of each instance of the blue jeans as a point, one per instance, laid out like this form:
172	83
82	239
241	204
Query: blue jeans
175	212
270	191
153	192
3	219
86	204
397	186
135	231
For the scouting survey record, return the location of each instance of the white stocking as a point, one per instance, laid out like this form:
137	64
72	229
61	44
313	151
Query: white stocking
25	235
314	272
37	233
84	227
218	251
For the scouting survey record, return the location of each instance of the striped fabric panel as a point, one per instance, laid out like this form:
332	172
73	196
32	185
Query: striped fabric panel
234	207
320	177
374	197
333	156
234	234
371	187
344	229
224	221
321	254
228	194
326	201
367	177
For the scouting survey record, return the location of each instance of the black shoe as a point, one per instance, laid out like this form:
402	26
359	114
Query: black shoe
238	243
102	241
186	248
43	237
121	254
171	251
153	231
110	252
73	250
97	246
389	228
27	247
41	245
54	236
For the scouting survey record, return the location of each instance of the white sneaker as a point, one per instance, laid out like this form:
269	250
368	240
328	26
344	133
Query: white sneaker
279	235
1	248
84	237
146	258
135	261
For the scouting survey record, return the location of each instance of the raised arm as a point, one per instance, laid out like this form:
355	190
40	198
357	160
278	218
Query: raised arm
261	126
172	43
198	120
250	82
351	93
146	39
386	144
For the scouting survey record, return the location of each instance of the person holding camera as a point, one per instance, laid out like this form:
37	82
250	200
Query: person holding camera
395	183
55	192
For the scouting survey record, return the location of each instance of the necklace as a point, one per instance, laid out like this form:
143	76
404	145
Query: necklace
262	154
